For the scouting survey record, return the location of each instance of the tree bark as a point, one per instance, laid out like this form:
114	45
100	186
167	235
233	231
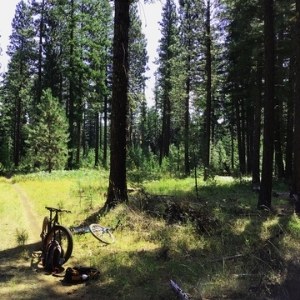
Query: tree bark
71	100
187	124
290	124
166	127
97	139
265	194
40	55
117	189
297	113
105	130
208	94
257	130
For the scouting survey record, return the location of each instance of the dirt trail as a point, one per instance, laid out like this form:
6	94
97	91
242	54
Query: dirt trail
21	273
31	217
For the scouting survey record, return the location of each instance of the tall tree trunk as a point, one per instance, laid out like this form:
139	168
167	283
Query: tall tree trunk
249	138
117	189
240	140
17	131
278	140
78	141
143	125
187	93
40	55
265	195
105	131
232	147
257	129
79	124
71	100
243	161
18	120
166	127
208	94
297	112
290	123
187	123
279	124
97	139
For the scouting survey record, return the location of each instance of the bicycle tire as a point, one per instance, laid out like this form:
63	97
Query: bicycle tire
45	228
101	233
64	236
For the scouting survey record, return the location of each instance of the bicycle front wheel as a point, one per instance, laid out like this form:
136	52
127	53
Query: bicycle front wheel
101	233
64	237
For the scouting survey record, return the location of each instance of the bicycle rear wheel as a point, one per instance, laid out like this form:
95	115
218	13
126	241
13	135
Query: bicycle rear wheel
64	237
101	233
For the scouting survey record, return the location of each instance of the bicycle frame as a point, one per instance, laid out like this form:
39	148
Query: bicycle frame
53	220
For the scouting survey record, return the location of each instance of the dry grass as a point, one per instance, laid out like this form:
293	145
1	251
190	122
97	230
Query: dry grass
236	255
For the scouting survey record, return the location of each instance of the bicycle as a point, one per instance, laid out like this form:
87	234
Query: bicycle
53	231
102	233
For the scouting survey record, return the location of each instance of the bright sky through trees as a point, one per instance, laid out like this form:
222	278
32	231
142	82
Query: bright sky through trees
7	11
150	14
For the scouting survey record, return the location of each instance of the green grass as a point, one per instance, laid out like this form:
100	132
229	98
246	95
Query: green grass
11	216
214	243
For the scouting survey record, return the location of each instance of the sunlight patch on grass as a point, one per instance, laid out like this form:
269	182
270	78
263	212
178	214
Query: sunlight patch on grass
294	225
12	218
239	225
170	186
268	227
220	236
80	192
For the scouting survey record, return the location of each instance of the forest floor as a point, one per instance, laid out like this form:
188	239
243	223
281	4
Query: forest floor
21	266
23	277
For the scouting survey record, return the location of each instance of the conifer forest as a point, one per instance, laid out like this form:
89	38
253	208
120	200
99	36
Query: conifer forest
226	97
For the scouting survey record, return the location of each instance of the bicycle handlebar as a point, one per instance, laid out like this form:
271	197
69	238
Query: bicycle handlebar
57	209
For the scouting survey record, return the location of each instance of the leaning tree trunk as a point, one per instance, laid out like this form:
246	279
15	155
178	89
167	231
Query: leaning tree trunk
265	194
117	189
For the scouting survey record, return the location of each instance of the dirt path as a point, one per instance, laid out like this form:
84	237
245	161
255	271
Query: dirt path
34	226
21	273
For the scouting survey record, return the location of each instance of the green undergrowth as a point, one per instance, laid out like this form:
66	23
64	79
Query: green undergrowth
212	241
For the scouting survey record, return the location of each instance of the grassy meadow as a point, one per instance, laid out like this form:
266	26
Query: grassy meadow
214	243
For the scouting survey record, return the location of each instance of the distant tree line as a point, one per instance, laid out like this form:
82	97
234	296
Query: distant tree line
226	92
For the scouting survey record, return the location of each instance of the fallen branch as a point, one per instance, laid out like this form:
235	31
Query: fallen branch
179	292
229	257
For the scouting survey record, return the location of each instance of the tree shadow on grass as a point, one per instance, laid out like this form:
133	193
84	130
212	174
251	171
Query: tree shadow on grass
248	254
21	257
257	255
23	277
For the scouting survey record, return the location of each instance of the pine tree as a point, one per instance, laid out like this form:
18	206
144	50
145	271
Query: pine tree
167	50
117	189
18	80
191	28
97	35
297	113
136	83
48	136
265	194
